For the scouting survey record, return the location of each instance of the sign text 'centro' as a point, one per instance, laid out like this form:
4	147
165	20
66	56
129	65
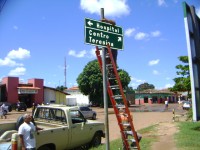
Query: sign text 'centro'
102	34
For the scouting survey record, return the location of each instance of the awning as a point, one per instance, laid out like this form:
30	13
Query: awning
28	87
27	90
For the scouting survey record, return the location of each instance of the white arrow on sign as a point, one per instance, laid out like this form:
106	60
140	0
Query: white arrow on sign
119	39
90	23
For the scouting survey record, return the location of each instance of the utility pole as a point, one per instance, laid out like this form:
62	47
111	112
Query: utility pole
105	91
65	73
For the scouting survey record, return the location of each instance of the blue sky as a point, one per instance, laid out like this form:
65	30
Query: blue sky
37	35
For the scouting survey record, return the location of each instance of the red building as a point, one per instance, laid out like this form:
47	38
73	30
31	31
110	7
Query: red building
12	91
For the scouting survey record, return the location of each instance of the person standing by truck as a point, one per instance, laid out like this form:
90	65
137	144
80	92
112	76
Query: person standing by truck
26	133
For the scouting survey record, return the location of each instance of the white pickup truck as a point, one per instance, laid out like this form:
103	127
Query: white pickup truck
63	128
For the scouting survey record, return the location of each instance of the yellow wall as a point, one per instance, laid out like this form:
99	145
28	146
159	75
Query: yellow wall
60	98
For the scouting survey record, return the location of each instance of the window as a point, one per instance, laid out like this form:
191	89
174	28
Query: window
76	116
50	114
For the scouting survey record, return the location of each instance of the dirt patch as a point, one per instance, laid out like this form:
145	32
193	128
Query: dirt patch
165	134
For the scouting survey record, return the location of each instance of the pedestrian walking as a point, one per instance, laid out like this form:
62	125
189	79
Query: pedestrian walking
166	104
2	111
33	108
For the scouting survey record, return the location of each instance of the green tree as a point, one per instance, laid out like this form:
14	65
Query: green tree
145	86
61	88
130	90
90	81
182	82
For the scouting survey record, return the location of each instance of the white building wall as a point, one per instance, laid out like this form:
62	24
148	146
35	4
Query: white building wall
49	95
80	99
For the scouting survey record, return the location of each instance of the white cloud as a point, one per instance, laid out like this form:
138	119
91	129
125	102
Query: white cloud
19	54
161	3
168	85
79	55
153	62
8	62
83	53
198	12
15	27
155	72
155	33
141	36
17	71
112	8
92	53
168	78
135	82
129	32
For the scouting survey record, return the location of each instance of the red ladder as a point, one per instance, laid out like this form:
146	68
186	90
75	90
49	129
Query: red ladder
114	86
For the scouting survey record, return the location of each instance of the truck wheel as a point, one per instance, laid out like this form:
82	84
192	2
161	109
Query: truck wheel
94	117
96	141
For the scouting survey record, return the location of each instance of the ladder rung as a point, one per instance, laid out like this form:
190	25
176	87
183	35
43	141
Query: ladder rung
109	66
114	86
111	78
117	97
107	56
126	124
128	132
133	147
120	106
131	140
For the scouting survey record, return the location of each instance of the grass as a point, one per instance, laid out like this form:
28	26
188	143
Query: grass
145	143
188	136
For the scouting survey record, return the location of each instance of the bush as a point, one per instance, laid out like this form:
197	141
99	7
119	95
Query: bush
189	114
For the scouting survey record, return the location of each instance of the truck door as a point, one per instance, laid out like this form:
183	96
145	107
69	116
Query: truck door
80	129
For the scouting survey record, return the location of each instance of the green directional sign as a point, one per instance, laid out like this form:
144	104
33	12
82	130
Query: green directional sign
101	34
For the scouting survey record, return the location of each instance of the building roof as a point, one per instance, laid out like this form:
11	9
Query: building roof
56	90
151	91
75	88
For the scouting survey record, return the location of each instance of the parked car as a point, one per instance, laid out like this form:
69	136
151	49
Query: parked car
87	112
21	106
186	105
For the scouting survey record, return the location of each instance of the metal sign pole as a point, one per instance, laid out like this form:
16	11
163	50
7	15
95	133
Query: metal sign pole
105	92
